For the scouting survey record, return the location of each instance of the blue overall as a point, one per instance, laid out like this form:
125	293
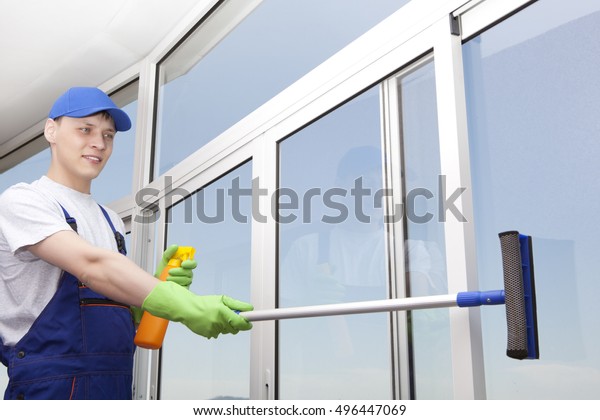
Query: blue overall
80	347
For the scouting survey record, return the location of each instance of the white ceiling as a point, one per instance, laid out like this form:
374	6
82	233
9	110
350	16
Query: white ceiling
47	46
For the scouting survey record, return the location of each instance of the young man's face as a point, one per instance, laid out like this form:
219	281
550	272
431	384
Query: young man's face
80	148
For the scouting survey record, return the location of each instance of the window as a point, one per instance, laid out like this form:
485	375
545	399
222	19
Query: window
116	179
31	168
244	54
332	249
212	221
425	256
532	96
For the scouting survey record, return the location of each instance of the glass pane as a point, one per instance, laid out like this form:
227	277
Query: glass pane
424	232
533	99
210	221
28	170
116	179
206	88
332	249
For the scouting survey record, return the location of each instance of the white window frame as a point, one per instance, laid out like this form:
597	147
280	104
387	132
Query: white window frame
410	33
425	25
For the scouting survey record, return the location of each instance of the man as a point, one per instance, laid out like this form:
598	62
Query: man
66	287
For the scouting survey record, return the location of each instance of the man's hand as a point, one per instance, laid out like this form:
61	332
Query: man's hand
207	316
182	275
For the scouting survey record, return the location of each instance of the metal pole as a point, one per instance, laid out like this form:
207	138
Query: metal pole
405	304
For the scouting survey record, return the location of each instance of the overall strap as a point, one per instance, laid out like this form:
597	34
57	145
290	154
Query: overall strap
118	236
70	220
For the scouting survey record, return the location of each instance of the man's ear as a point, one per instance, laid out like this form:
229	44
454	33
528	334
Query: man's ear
50	131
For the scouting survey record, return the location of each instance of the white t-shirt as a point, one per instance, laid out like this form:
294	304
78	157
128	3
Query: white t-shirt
30	213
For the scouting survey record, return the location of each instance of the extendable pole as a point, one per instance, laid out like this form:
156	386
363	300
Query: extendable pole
463	299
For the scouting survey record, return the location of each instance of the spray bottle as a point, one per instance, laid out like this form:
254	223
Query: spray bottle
152	329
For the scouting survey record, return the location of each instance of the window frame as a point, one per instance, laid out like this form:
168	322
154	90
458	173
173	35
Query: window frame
371	59
256	136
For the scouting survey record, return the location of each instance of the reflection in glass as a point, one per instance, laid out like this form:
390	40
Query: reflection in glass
424	233
332	249
193	367
533	98
209	84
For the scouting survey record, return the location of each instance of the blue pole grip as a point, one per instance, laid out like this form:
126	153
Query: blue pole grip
492	297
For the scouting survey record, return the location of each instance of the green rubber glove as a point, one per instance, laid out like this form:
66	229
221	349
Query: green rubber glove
182	275
136	314
207	316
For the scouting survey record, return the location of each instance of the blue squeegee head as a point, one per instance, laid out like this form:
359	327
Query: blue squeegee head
519	289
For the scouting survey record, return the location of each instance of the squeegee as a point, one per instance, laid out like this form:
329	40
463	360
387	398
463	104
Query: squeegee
518	296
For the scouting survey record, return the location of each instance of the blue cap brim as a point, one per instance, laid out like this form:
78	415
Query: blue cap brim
121	119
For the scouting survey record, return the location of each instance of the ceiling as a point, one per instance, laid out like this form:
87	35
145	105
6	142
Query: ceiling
47	46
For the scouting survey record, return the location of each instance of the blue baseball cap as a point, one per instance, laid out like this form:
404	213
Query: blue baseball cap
79	102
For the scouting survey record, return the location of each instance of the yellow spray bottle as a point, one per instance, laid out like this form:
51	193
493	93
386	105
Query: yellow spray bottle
152	329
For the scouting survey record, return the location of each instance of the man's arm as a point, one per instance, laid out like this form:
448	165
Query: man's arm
106	272
115	276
